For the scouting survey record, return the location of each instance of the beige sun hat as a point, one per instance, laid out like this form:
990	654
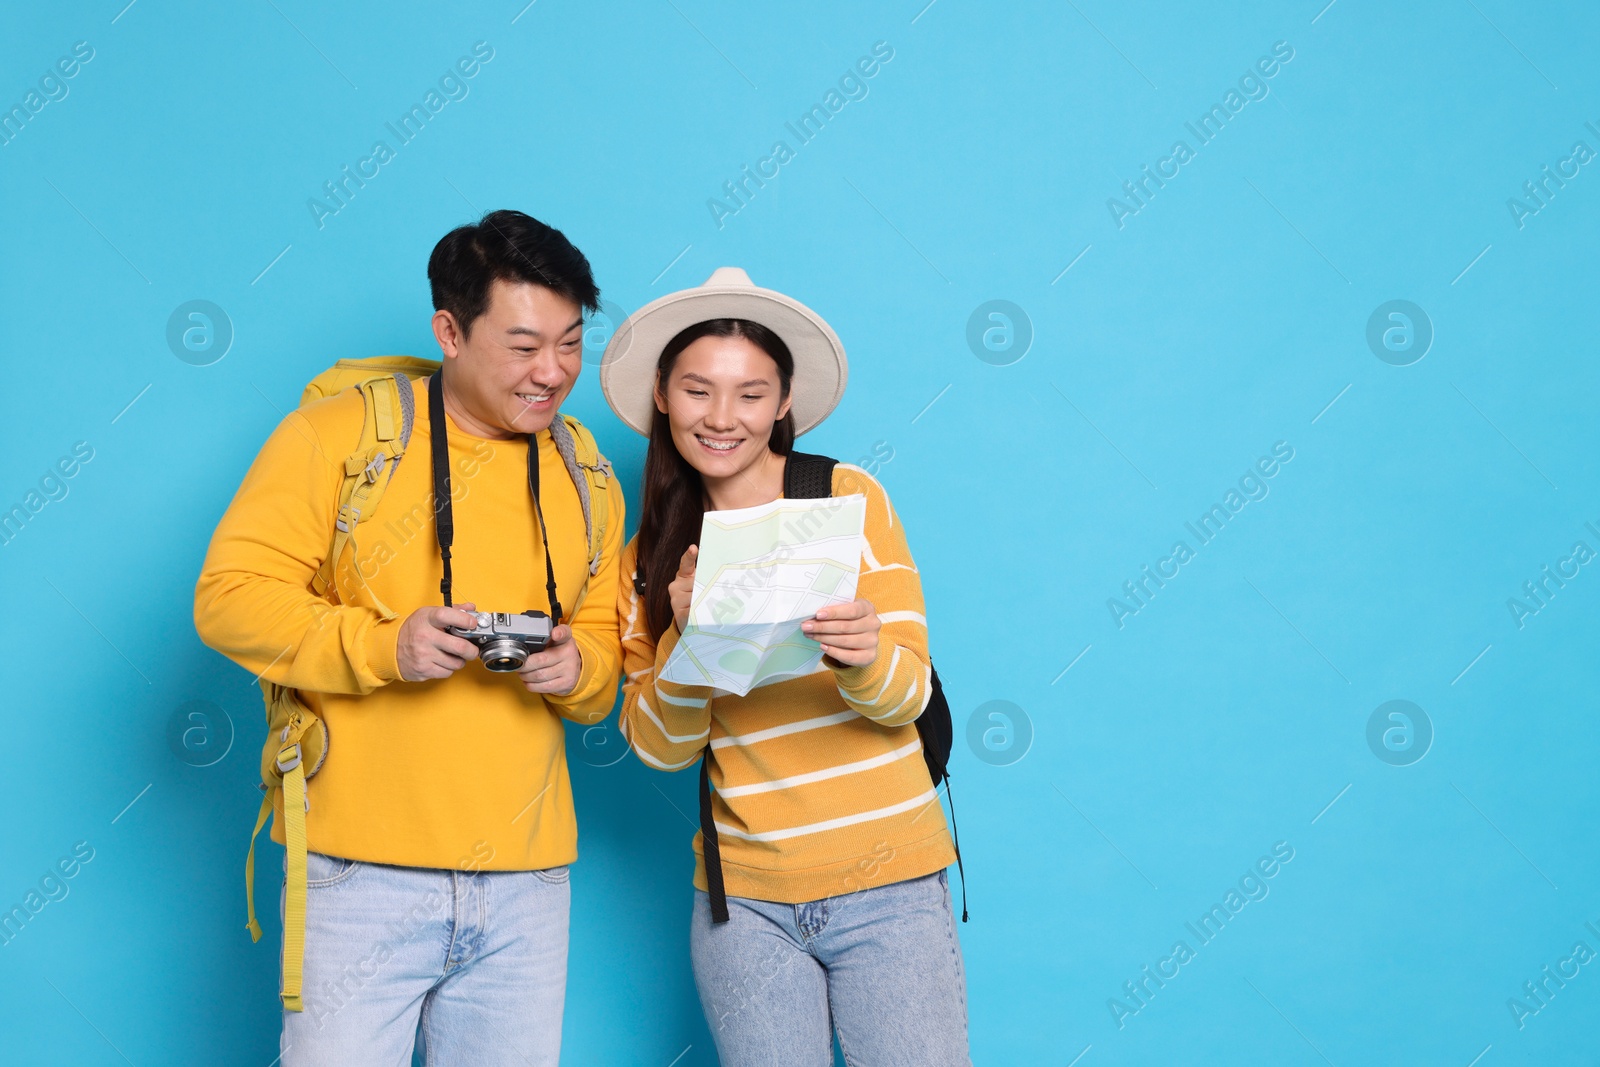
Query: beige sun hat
628	368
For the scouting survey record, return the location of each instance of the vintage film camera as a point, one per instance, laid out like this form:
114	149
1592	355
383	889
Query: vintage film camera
505	641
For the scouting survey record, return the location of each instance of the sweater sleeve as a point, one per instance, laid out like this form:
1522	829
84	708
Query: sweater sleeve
253	601
594	628
666	724
894	688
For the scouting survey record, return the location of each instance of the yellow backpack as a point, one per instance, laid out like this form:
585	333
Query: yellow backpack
297	741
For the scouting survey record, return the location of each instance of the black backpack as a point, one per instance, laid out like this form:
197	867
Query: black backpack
809	477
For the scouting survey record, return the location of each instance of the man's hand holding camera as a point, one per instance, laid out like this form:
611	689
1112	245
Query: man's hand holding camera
431	646
555	670
427	650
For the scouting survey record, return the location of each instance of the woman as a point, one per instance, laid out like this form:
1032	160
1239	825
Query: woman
832	841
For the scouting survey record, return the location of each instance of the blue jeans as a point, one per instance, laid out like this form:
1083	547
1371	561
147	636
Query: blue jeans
479	959
881	966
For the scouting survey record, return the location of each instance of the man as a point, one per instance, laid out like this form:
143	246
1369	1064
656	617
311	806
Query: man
439	822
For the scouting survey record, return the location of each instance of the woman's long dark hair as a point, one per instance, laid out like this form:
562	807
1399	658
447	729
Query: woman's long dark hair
674	496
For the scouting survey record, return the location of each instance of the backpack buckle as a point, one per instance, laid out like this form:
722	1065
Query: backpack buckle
348	517
375	467
288	758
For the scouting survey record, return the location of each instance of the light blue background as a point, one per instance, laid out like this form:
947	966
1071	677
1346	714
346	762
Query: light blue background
1225	316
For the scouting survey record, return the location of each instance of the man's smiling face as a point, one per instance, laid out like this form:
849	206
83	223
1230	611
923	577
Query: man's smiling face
508	375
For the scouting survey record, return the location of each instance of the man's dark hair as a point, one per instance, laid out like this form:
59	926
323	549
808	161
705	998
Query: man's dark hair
512	246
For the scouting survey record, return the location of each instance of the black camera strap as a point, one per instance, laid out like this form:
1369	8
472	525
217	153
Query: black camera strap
443	520
544	537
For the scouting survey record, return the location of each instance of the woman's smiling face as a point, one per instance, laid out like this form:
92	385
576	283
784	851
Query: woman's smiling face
722	397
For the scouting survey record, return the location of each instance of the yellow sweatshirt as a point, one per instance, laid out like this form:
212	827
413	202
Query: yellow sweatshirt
820	788
465	769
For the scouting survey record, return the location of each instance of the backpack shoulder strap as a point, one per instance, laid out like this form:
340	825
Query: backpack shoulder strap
807	476
347	372
389	407
591	475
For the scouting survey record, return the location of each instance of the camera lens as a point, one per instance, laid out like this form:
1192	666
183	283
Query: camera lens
503	654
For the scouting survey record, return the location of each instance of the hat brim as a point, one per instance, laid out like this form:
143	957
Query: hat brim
628	367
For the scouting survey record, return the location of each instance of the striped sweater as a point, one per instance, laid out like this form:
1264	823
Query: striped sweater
820	788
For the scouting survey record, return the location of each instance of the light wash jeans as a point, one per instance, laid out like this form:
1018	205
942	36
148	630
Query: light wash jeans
881	966
480	959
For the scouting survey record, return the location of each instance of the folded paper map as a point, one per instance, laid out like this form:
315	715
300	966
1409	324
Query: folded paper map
761	572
